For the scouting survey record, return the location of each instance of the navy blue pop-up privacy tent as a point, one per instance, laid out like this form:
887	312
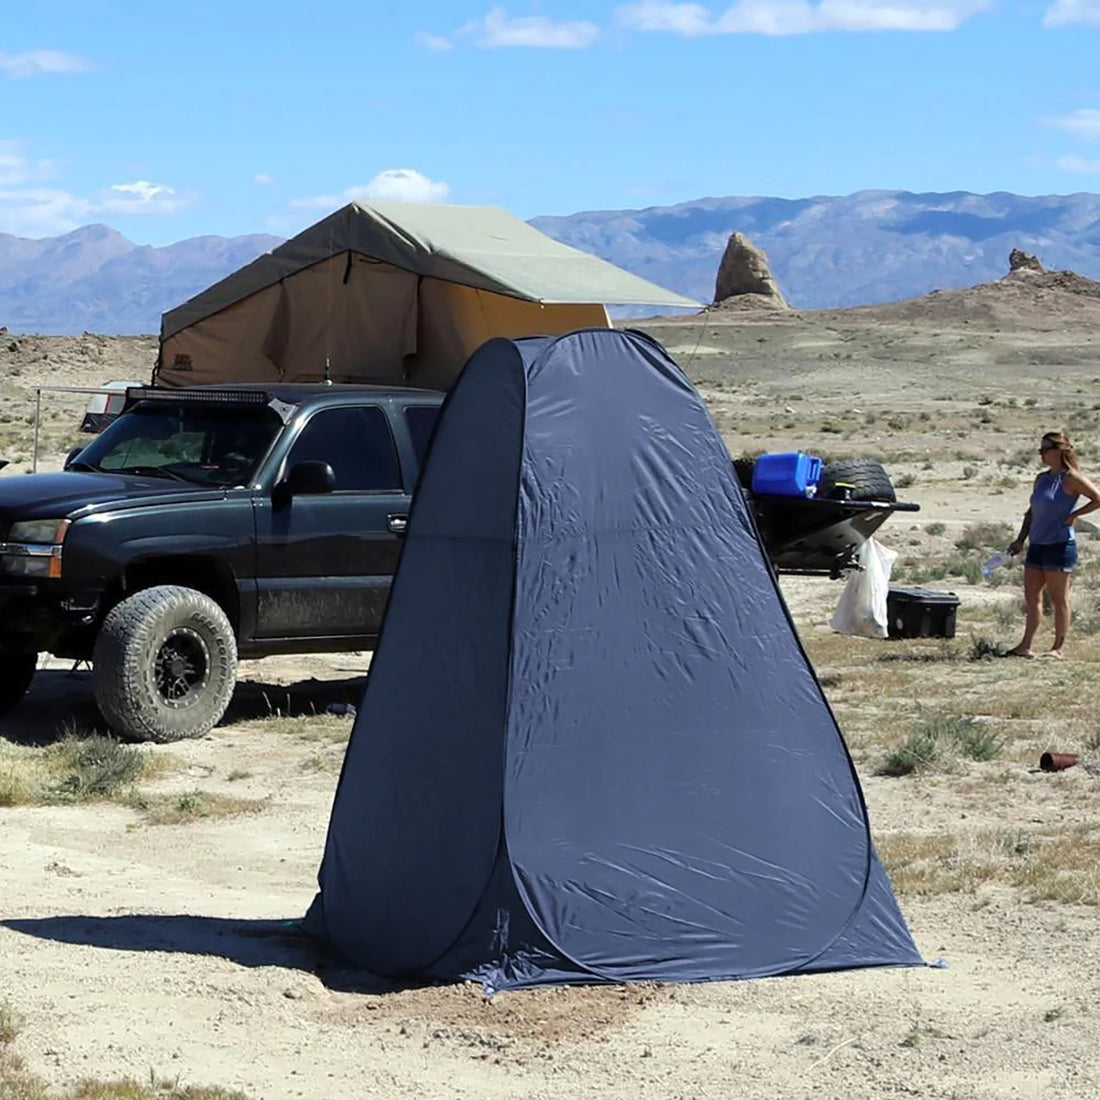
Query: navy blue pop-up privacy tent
591	747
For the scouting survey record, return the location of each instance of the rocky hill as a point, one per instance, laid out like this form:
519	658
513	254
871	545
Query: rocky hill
95	280
824	252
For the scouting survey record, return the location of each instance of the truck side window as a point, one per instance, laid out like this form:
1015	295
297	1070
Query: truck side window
420	420
356	443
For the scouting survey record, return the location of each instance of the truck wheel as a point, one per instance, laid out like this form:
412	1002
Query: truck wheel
165	664
865	477
16	673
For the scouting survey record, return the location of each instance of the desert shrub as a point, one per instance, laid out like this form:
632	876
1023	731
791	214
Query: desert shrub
934	741
984	648
977	742
985	536
903	481
95	767
970	569
936	528
920	751
968	472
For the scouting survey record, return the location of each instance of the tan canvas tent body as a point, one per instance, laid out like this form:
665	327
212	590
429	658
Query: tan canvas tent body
391	292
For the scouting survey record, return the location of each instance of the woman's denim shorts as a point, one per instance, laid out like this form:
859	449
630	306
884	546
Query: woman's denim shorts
1052	557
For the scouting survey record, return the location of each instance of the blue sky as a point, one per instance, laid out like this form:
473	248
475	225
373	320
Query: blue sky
173	121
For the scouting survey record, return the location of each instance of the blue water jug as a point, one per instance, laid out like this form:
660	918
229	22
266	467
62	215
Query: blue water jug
786	474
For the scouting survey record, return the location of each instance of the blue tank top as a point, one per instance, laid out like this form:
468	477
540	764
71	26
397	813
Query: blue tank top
1050	504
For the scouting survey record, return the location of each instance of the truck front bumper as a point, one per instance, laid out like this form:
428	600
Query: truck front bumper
46	617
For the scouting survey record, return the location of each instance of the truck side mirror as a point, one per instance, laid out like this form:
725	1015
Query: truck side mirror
309	478
71	455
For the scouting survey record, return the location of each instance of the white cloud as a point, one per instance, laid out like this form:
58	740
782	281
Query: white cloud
1083	123
39	62
392	185
785	17
40	212
1079	165
497	31
657	15
263	179
17	168
140	197
405	185
29	209
1062	13
434	42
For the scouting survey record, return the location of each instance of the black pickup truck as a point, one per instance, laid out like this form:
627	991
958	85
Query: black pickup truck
221	522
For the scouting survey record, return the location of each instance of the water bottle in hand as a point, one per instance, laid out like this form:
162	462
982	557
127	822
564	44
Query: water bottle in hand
995	561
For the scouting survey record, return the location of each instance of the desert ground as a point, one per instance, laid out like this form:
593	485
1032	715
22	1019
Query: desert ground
149	934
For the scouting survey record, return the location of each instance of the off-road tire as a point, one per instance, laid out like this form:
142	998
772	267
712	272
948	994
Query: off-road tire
165	664
16	673
866	478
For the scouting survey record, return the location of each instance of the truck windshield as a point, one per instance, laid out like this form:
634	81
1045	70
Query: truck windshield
217	446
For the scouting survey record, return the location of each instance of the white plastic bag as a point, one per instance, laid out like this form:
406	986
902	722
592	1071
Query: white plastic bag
862	607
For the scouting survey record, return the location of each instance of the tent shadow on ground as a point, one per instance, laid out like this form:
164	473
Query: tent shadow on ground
61	702
250	943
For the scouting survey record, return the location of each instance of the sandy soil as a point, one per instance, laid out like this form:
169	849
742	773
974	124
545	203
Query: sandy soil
131	948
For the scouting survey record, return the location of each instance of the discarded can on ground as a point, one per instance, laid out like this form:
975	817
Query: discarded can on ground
1057	761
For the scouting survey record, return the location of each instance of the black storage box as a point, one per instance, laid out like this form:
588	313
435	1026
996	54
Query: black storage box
921	613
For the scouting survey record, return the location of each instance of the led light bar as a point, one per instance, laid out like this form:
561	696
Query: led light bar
197	396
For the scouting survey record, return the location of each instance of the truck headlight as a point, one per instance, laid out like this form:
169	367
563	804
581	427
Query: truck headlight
33	548
40	532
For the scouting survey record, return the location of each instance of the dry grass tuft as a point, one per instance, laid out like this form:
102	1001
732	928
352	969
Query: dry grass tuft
184	809
78	768
1045	865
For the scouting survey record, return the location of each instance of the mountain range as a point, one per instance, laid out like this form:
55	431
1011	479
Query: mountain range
825	251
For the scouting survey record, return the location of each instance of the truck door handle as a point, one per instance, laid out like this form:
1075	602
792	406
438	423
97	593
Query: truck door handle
397	524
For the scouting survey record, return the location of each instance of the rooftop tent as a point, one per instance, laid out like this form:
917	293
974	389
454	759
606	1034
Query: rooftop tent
391	292
591	747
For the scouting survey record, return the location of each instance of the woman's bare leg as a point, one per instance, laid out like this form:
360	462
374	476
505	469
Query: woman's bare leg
1058	585
1034	579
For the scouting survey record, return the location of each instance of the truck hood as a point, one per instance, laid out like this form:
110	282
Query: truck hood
69	493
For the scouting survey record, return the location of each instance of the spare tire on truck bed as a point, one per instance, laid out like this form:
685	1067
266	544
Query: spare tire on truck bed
855	479
823	533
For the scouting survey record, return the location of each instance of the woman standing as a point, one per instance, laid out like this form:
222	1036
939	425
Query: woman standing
1052	545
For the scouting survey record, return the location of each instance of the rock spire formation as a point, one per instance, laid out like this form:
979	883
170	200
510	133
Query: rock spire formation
744	276
1018	260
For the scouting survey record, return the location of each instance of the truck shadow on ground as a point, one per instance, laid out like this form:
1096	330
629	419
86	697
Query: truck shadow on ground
251	943
61	703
